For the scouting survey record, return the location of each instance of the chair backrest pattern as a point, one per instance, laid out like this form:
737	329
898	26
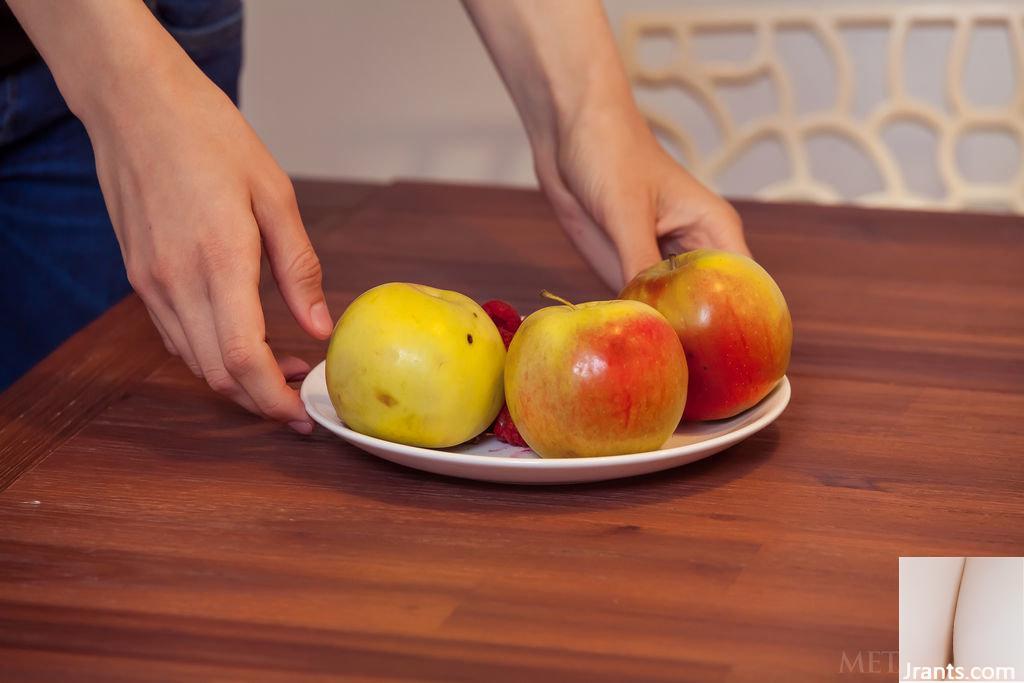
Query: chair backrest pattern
791	128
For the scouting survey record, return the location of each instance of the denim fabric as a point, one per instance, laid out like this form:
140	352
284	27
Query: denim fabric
60	266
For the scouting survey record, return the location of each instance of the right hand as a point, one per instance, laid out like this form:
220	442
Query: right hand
621	198
194	195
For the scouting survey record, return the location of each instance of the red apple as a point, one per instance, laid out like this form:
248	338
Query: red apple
732	320
600	378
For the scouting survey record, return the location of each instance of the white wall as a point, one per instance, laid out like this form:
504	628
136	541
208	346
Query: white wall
403	88
378	89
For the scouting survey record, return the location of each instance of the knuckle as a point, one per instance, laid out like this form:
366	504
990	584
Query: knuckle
221	382
275	186
283	192
161	273
140	279
239	356
304	269
221	253
215	256
274	408
732	216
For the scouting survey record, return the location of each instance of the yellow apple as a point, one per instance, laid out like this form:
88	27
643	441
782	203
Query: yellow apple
416	365
595	379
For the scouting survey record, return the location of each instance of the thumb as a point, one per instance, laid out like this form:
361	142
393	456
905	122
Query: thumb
293	262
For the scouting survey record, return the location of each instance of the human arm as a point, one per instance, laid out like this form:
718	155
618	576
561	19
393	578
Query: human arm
192	193
614	189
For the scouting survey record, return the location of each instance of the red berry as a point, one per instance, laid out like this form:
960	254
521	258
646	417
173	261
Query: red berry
506	336
505	317
507	320
505	429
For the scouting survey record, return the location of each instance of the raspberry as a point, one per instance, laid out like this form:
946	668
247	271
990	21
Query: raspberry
507	320
505	317
505	429
506	336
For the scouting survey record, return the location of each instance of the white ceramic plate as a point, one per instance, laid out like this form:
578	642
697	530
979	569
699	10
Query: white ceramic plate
488	459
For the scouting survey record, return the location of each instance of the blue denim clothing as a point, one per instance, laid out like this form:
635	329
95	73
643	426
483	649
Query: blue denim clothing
60	265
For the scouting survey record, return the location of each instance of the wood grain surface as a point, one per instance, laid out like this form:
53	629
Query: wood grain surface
164	534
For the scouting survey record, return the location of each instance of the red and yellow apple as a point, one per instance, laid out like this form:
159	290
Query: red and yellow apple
595	379
732	320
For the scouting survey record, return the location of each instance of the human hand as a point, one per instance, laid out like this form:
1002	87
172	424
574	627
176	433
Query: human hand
613	188
194	196
623	200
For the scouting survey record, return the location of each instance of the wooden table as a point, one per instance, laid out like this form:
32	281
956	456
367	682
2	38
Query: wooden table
150	530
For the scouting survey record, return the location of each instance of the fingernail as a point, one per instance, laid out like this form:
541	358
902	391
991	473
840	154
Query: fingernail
321	318
301	427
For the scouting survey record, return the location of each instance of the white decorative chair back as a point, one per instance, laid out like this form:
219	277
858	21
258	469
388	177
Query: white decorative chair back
805	62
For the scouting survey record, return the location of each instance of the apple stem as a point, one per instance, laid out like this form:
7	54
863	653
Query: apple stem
554	297
673	262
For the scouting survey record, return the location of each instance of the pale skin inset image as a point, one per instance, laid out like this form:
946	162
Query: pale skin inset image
968	612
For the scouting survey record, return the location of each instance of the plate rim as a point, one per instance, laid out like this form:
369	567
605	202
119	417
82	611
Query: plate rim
782	393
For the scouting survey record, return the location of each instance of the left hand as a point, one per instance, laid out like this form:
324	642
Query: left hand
623	200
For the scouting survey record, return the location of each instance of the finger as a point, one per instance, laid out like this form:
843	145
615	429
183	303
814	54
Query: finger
294	369
168	344
293	262
714	236
166	320
637	252
722	228
587	236
693	217
733	238
197	323
239	325
632	229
